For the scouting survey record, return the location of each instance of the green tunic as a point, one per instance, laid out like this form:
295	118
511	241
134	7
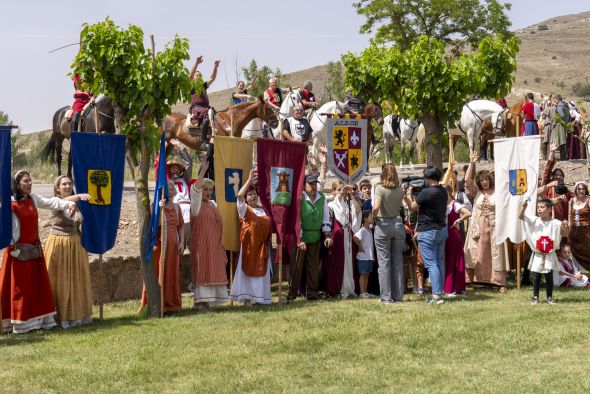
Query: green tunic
312	215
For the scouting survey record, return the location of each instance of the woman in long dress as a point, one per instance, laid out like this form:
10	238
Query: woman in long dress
485	262
208	259
579	220
457	213
25	291
339	272
67	261
174	239
252	280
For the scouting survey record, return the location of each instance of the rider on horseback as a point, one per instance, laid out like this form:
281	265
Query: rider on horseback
82	103
199	107
274	95
307	97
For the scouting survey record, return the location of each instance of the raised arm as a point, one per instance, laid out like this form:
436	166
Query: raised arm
470	186
251	180
195	66
196	189
213	74
523	210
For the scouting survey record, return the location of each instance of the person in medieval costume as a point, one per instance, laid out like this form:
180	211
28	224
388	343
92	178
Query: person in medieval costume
208	258
25	290
569	274
199	107
315	220
67	261
174	246
252	279
83	100
179	164
339	270
579	221
543	235
485	262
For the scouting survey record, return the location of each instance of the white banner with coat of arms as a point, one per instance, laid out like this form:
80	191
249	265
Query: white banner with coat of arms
516	166
347	147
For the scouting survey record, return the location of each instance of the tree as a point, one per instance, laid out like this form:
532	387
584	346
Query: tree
335	84
428	85
4	118
100	179
452	22
143	86
263	74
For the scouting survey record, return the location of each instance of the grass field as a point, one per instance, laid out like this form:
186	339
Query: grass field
487	342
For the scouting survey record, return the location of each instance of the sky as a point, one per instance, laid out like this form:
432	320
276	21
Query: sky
289	35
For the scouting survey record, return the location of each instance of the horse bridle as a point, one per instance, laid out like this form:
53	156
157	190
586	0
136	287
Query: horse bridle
413	128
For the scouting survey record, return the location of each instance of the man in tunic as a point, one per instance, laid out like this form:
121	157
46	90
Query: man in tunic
315	220
180	167
297	127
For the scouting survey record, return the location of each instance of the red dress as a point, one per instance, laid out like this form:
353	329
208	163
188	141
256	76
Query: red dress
24	285
81	98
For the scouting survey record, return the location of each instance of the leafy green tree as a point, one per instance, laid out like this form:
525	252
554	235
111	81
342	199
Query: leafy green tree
428	85
142	85
4	118
99	179
415	60
452	22
335	84
263	74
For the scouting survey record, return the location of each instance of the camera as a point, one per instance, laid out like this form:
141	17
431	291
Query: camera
561	189
418	183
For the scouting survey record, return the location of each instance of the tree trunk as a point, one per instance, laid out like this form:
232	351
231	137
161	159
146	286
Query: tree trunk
433	140
140	178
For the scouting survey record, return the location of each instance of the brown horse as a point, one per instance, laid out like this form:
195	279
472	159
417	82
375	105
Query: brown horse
62	130
236	117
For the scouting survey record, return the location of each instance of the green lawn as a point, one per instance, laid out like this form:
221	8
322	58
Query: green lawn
487	342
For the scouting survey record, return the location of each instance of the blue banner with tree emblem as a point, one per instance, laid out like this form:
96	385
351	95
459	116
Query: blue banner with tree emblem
5	179
99	166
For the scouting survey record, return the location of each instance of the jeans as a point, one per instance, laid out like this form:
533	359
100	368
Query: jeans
390	235
432	248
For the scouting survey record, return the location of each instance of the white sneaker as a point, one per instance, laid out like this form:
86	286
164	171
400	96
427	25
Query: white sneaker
364	296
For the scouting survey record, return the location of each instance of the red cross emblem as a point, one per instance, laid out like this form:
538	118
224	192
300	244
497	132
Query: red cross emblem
545	244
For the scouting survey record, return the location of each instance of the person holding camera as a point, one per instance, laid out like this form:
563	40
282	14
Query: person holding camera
431	204
389	235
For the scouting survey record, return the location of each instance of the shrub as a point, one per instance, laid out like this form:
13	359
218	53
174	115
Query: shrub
543	27
581	90
537	80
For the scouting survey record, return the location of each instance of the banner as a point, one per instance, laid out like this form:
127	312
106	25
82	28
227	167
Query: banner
233	162
516	166
281	173
99	165
347	147
161	189
5	181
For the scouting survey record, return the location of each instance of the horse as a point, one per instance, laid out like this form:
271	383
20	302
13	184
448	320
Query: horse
472	119
240	114
511	128
319	123
62	130
408	133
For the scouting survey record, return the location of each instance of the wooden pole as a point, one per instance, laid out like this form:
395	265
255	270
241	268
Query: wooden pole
163	242
96	119
231	273
518	257
280	247
100	286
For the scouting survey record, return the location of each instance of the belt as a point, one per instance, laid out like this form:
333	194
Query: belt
183	202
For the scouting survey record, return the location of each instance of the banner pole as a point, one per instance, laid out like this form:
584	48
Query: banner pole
231	273
163	240
100	286
518	257
280	246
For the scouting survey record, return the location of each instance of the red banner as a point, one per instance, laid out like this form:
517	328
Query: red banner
281	173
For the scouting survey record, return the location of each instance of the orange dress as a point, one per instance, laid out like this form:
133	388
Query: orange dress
208	259
27	301
172	296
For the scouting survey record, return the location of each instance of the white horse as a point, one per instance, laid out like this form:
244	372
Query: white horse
472	118
407	133
319	123
291	99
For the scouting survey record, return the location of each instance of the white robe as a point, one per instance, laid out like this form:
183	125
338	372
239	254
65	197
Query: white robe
535	228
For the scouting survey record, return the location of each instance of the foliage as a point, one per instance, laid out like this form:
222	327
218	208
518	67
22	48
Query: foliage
424	80
114	61
452	22
4	118
581	90
335	83
263	74
324	347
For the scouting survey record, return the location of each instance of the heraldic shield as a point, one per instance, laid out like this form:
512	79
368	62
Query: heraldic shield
347	147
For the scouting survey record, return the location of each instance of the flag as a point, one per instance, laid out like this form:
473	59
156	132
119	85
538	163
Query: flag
161	189
233	162
347	147
281	173
5	180
516	167
99	166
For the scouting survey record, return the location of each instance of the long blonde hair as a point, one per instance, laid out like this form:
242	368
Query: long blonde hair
389	177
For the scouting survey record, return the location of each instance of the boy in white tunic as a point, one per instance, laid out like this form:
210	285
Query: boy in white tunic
543	234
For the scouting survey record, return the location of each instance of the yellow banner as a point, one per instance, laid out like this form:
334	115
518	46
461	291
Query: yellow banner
99	187
233	162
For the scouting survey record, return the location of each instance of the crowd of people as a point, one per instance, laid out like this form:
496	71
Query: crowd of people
367	240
